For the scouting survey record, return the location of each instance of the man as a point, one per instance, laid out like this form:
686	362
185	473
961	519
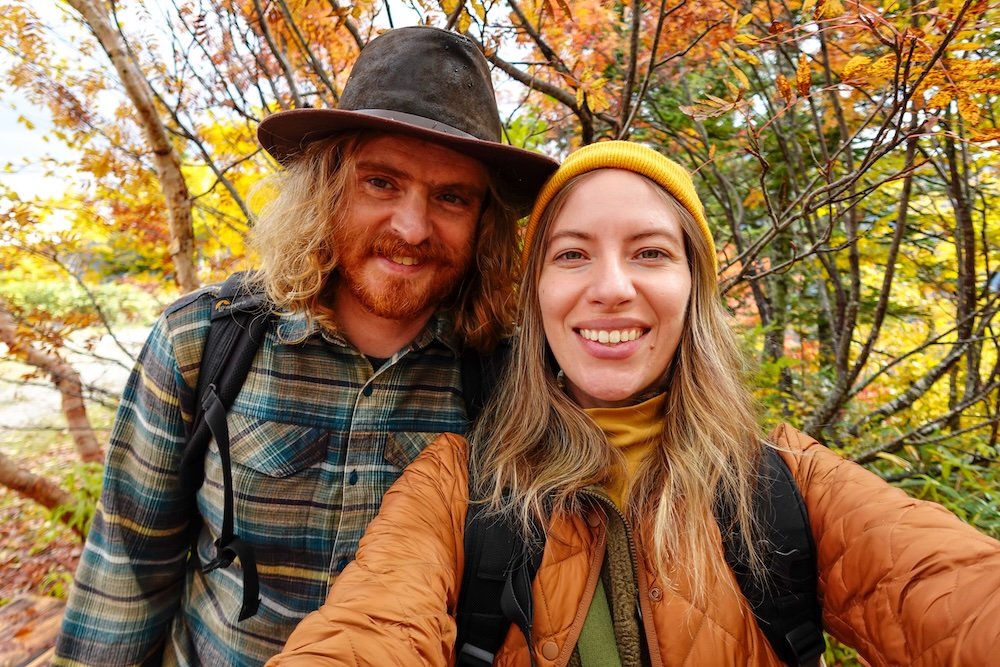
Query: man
387	248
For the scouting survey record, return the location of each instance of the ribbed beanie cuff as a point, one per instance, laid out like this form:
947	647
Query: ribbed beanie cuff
629	156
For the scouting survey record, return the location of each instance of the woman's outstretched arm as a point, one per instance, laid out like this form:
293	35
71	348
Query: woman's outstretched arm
903	581
394	605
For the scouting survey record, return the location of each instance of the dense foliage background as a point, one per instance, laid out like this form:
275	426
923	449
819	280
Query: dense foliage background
846	152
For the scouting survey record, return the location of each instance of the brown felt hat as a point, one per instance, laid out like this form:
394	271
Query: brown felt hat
423	82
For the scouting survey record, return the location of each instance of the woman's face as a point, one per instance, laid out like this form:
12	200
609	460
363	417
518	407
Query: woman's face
614	288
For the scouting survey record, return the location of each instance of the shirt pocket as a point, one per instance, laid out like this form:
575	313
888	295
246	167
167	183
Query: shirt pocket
281	483
274	449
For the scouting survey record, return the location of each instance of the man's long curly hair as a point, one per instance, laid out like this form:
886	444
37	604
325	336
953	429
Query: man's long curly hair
293	238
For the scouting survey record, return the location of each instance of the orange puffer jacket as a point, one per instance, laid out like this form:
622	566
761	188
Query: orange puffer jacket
903	581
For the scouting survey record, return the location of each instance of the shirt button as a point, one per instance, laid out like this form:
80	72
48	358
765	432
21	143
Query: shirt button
367	391
550	650
655	594
341	564
353	478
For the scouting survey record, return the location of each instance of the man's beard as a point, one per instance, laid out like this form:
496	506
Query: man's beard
394	297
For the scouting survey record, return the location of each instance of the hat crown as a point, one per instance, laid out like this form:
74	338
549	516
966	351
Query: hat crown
426	72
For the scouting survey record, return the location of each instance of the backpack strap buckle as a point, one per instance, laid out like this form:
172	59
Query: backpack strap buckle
807	643
473	656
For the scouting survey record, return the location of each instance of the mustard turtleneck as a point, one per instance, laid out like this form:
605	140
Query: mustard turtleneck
632	430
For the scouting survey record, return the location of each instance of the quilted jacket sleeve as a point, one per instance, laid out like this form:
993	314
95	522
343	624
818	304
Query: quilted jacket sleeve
394	604
905	582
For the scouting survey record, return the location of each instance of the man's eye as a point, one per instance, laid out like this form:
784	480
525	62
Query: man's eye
453	199
379	183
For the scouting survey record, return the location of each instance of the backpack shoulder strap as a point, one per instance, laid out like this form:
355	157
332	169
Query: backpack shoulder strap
238	325
496	586
786	604
480	375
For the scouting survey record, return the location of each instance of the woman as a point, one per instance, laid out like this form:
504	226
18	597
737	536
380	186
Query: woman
622	421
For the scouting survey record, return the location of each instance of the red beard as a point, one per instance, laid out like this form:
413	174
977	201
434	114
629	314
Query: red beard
395	297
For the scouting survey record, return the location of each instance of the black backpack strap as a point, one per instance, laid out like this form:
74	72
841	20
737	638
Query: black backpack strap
496	586
786	605
238	326
480	375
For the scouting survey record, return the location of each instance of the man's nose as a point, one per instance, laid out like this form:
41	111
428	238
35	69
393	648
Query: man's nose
409	219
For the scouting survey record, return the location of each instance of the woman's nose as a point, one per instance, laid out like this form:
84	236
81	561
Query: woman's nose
612	283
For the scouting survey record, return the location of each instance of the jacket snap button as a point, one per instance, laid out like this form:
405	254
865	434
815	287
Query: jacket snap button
593	519
655	594
550	650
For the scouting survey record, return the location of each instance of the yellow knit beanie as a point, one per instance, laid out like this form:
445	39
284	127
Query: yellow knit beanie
630	157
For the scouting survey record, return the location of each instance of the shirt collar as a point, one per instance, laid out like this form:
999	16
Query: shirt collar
295	327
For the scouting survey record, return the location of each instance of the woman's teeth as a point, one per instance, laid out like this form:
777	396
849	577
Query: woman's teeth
610	336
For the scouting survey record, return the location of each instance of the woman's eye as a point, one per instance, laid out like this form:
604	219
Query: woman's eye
379	183
570	255
651	253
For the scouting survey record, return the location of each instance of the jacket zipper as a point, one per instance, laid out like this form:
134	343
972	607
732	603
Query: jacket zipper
606	501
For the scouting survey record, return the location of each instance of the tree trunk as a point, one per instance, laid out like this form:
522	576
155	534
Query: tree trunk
66	380
165	157
38	489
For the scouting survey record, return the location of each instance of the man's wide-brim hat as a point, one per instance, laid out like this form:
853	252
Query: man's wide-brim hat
422	82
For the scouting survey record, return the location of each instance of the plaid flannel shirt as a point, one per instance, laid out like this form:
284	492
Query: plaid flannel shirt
317	437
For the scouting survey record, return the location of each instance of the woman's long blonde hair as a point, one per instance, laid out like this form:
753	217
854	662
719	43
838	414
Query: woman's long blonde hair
293	239
534	450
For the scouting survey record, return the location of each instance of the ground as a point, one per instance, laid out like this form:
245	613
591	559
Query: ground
37	555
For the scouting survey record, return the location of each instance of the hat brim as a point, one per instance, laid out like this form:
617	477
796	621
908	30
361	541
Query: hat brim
284	135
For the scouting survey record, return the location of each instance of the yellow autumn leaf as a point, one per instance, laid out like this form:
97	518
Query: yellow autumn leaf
754	198
854	65
969	110
480	9
748	58
746	40
965	46
895	460
598	100
882	68
740	76
733	90
830	9
807	5
744	20
941	98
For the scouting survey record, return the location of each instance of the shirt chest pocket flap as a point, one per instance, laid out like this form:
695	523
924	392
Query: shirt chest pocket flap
274	449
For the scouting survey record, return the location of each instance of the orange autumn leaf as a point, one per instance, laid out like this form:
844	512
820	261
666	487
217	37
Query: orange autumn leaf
803	76
784	88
